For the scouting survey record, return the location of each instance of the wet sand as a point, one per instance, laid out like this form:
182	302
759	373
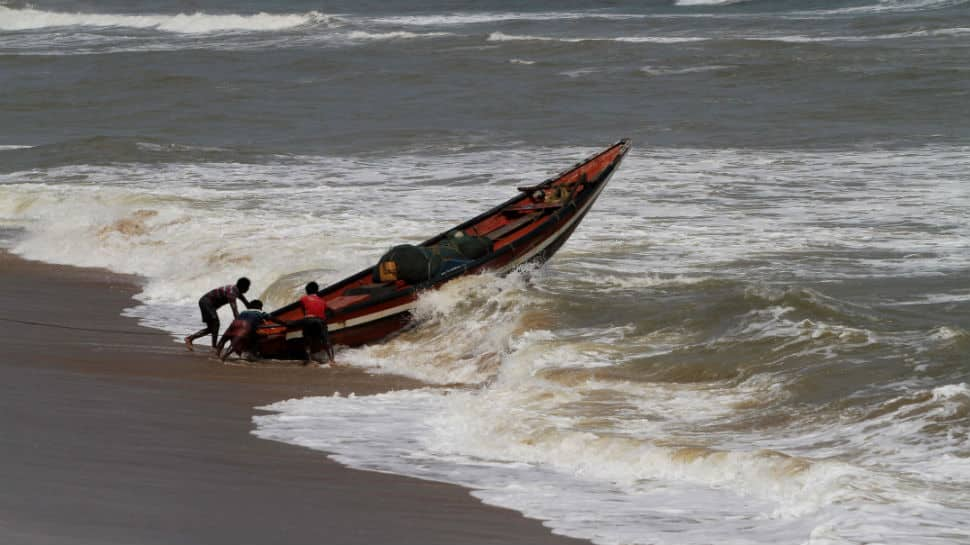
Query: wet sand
110	433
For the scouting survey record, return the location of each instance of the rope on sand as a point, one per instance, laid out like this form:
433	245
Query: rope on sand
74	328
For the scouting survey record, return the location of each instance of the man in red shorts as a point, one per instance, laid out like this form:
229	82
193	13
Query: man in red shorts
209	305
241	335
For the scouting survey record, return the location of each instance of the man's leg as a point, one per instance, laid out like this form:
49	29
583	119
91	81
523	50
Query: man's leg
327	345
311	337
234	346
211	320
226	338
198	334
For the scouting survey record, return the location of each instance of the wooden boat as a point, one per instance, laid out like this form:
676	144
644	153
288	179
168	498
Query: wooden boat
529	227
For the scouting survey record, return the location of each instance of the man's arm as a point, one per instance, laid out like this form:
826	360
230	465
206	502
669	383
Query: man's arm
244	300
232	305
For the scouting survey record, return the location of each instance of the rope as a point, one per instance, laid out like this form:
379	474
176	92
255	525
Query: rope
73	328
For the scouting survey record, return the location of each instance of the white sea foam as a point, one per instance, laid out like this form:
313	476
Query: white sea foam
464	331
527	436
950	391
518	448
944	333
609	280
186	23
902	437
936	299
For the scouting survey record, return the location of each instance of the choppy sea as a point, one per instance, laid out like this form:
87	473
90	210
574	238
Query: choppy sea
759	335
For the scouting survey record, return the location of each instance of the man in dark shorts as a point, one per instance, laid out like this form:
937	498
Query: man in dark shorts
241	333
209	305
314	323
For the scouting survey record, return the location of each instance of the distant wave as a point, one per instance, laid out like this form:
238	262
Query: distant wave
707	2
400	35
579	72
894	36
663	71
184	23
894	5
876	6
494	17
794	38
502	37
658	39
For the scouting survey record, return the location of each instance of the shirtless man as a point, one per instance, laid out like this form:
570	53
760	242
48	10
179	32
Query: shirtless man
210	303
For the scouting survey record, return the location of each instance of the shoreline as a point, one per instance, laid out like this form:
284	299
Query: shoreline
115	433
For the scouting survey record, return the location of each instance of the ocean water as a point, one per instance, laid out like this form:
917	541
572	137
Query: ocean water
759	334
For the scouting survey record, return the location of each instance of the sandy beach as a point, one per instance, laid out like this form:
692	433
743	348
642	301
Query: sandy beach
113	433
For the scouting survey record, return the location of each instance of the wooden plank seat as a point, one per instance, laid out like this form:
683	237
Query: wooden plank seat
529	207
512	226
344	301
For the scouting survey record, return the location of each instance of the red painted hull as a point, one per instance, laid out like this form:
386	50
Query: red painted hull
530	227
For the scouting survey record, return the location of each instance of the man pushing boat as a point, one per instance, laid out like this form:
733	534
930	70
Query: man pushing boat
314	323
209	305
241	333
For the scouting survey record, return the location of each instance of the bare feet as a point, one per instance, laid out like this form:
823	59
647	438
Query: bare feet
188	344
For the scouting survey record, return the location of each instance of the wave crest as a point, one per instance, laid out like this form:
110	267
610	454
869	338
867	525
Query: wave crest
12	19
